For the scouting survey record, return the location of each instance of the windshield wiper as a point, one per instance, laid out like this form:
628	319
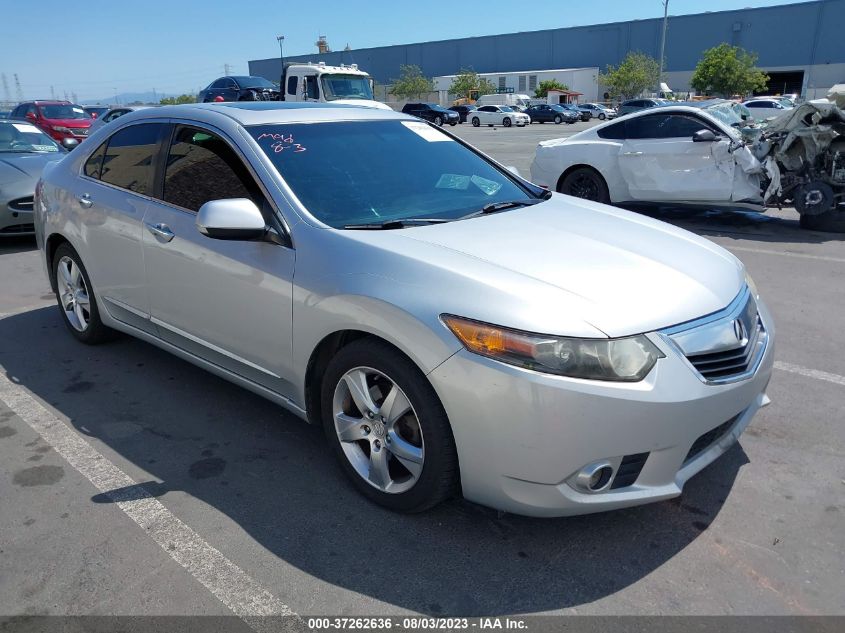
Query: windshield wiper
396	224
495	207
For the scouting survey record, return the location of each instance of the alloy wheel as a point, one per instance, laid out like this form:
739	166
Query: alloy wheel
73	294
378	429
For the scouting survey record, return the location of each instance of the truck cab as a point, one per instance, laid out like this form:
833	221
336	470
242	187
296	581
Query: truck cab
328	84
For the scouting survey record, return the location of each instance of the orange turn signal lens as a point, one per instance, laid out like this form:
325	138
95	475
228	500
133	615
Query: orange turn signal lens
488	340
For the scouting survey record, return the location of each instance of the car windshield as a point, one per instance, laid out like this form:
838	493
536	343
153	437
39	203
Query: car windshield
373	172
346	87
506	108
63	111
256	82
725	113
23	138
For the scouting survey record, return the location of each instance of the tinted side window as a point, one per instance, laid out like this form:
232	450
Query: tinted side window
95	162
292	84
129	157
202	167
615	132
664	126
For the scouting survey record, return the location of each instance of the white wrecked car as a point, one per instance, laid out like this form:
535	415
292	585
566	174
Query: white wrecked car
683	155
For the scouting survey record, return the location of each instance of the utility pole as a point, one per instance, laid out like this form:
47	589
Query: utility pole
7	94
52	92
18	88
281	40
663	41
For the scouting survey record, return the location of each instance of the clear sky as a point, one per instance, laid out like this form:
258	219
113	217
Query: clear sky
97	48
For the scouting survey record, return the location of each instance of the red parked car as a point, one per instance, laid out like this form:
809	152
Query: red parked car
59	119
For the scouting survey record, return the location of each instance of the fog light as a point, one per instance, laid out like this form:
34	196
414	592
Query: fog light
595	477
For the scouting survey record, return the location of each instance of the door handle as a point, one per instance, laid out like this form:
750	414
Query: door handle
161	231
85	200
632	154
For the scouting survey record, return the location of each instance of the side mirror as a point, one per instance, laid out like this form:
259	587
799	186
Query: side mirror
31	116
704	136
69	143
231	219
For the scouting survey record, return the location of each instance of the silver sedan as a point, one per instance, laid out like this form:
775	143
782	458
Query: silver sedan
451	326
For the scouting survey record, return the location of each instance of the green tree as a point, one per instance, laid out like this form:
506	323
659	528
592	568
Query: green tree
468	81
634	75
178	100
728	70
411	83
544	86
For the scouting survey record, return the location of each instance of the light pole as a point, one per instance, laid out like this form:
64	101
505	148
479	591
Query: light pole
281	40
115	95
663	41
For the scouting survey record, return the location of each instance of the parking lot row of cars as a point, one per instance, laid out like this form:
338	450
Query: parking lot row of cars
508	115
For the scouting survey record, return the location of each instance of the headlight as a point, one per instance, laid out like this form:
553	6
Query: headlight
623	359
752	286
62	129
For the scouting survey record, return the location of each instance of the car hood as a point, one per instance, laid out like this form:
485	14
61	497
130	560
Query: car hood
77	123
617	271
24	167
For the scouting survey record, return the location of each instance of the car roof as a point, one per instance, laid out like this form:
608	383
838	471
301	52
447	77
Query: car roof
267	112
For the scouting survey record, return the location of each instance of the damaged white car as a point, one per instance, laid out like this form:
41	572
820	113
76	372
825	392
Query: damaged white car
684	156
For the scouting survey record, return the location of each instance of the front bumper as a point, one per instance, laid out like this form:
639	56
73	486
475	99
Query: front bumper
522	436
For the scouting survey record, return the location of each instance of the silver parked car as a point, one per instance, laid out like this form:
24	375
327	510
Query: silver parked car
24	151
113	113
450	325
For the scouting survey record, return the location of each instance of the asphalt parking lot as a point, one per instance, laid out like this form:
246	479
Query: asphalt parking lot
211	500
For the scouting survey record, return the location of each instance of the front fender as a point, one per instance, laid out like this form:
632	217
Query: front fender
425	340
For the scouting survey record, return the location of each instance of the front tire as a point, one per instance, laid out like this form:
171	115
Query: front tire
438	121
475	121
832	221
558	119
387	427
585	183
507	122
602	116
76	299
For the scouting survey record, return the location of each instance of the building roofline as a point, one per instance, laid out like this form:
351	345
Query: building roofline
562	28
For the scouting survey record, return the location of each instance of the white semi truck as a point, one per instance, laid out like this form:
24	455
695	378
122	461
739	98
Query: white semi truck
329	84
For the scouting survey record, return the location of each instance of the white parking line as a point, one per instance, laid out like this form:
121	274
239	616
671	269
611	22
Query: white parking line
226	581
764	251
810	373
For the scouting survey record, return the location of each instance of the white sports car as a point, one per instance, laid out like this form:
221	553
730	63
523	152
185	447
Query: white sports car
669	154
498	115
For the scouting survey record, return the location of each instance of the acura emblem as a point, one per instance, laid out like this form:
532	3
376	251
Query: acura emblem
740	331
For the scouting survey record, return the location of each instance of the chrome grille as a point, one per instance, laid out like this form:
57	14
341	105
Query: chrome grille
726	346
731	362
16	229
22	204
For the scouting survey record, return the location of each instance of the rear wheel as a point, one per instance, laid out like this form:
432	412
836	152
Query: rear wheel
586	183
387	427
76	297
507	122
475	121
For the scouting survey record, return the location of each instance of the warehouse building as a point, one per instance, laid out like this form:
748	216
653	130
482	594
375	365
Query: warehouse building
799	46
582	82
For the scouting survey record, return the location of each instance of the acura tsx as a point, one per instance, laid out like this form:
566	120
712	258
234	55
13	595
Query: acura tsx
452	327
